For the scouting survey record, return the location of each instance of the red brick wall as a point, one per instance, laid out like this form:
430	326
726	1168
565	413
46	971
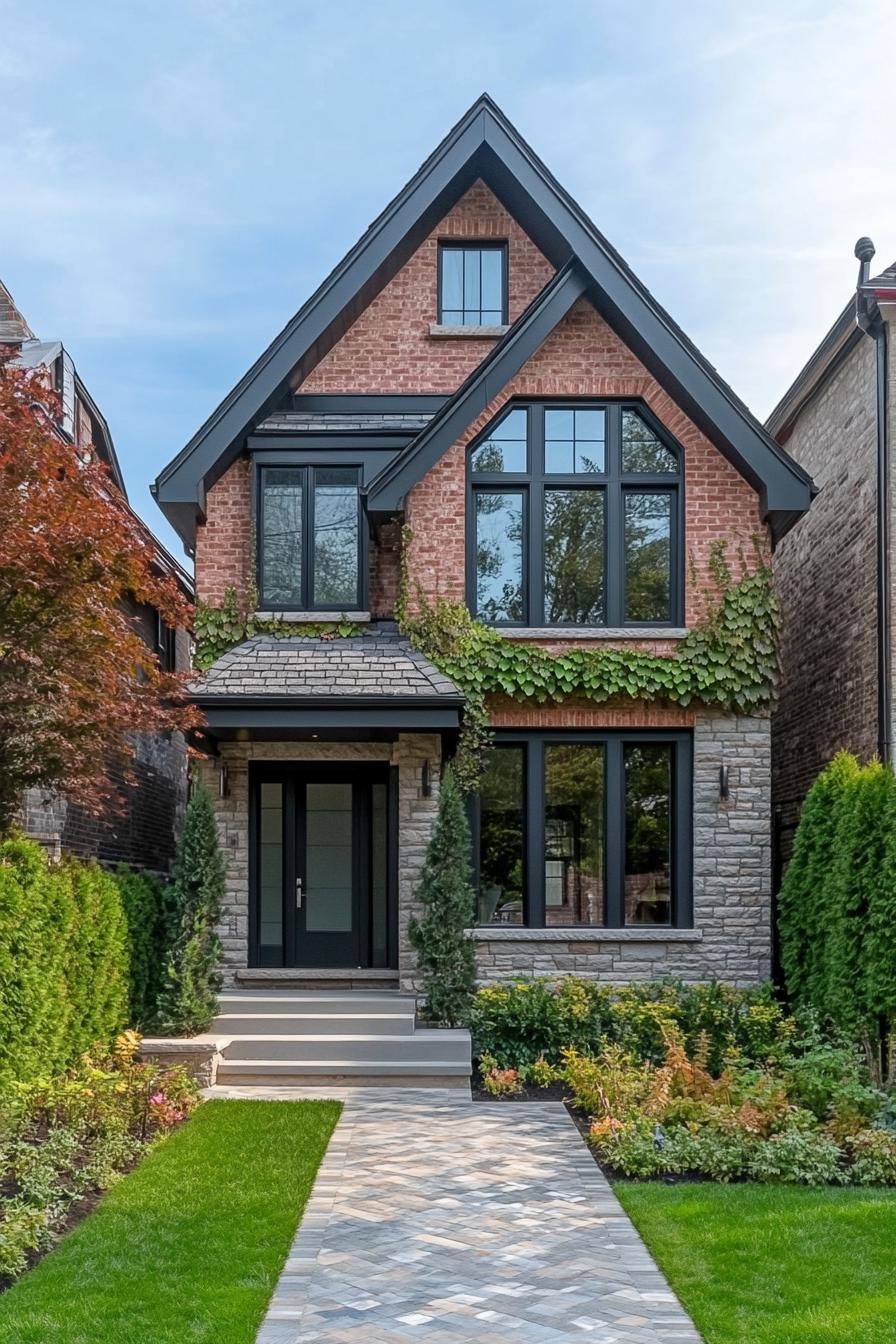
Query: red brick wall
224	541
389	348
585	357
583	713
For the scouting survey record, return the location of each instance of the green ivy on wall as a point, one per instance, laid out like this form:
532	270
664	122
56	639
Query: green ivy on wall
218	629
728	660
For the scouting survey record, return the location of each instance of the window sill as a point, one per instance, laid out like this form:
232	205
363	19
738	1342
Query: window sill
440	332
313	617
574	933
558	632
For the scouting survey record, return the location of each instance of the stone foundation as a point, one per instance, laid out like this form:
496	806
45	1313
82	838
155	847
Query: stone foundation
731	937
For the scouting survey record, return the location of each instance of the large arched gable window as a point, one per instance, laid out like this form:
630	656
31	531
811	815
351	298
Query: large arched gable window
575	518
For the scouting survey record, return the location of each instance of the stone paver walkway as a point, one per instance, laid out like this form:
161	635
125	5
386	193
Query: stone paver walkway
449	1221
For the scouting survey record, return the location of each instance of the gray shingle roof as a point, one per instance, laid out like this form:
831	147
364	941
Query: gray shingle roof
378	663
886	277
329	422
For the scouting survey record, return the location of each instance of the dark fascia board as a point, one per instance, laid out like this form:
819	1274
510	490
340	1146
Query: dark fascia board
386	492
257	714
843	336
484	144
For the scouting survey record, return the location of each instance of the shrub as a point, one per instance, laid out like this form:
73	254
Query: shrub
501	1082
873	1153
828	1078
445	954
612	1085
543	1074
63	961
797	1157
191	981
145	902
525	1020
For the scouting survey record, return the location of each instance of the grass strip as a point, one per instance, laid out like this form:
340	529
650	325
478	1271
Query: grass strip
774	1264
188	1247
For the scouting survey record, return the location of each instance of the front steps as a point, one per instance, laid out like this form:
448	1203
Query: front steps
287	1038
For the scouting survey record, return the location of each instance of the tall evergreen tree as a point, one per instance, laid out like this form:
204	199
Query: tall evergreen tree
880	950
191	982
804	898
444	953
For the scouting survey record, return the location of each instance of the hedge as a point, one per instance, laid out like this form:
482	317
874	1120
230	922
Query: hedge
76	944
837	907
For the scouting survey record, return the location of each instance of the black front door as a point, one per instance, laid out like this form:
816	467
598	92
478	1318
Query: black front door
322	866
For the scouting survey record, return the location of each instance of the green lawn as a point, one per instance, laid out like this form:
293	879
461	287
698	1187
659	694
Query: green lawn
775	1264
188	1247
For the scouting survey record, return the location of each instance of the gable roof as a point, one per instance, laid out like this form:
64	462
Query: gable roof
485	145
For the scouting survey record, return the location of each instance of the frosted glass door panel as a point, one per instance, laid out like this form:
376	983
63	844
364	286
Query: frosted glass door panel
329	858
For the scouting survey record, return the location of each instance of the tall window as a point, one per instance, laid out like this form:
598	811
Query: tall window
575	515
309	538
472	285
585	829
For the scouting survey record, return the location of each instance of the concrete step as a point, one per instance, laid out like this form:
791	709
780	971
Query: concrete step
340	1072
314	1024
318	1002
298	977
423	1048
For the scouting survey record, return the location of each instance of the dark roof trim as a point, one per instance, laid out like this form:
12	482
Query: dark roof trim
386	492
821	365
484	145
370	403
254	715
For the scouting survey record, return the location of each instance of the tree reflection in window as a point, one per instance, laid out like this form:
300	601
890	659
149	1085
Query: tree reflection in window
648	835
499	556
502	838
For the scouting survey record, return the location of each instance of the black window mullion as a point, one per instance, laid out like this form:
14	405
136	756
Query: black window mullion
308	539
613	521
614	831
682	811
534	912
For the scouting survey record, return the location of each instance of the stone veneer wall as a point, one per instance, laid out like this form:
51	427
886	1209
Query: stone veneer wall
731	938
416	815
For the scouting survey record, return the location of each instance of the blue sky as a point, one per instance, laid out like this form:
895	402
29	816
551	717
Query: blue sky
177	178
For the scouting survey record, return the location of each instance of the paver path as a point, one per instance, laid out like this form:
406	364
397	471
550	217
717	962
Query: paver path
452	1221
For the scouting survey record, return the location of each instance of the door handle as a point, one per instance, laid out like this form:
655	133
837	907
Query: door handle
298	893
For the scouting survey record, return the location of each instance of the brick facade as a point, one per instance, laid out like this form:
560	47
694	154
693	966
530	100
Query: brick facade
825	571
390	348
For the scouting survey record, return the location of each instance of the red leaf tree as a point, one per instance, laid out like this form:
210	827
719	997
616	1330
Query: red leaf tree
76	679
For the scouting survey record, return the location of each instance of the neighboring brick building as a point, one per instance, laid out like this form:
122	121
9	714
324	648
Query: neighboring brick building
836	686
141	826
485	372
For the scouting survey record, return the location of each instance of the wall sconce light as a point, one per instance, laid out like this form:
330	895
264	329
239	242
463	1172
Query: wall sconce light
223	780
723	781
426	780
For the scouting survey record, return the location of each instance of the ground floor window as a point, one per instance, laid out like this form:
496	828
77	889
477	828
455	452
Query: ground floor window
585	829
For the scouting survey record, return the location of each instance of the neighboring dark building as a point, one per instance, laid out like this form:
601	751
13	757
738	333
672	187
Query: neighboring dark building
483	379
834	570
143	829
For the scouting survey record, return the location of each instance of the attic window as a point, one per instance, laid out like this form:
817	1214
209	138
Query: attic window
473	285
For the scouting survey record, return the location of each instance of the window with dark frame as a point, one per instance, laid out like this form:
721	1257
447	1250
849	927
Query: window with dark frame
576	518
166	644
585	830
309	538
472	284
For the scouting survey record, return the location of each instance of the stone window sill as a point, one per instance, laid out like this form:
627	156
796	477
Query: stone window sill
440	332
578	934
562	632
313	617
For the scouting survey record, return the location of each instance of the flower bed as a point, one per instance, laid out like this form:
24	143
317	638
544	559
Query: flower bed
696	1081
65	1140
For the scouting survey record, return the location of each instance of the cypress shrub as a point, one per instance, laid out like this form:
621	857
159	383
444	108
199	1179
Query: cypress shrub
191	981
444	953
145	902
806	891
63	961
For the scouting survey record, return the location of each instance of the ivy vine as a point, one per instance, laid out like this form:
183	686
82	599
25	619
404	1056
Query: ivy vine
219	629
728	660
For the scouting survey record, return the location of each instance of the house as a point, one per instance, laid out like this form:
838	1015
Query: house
834	571
143	825
484	397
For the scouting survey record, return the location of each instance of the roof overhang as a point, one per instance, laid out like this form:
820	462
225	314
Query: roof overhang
391	712
485	145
